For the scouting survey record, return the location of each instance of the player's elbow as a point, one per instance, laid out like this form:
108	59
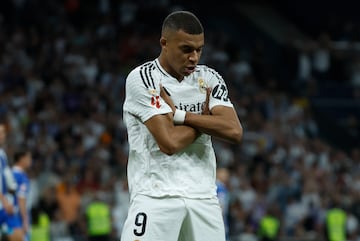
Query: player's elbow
167	151
168	148
236	135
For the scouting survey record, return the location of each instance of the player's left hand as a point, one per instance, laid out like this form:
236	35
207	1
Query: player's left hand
26	227
206	110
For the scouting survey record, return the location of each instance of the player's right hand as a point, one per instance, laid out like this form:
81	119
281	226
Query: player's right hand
9	209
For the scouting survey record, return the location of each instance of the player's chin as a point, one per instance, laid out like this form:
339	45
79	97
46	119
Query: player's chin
188	71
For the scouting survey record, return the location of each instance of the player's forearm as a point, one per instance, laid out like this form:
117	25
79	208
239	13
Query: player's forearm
179	138
228	129
23	212
3	198
169	137
6	204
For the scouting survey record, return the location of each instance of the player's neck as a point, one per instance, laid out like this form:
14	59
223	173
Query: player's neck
18	167
167	68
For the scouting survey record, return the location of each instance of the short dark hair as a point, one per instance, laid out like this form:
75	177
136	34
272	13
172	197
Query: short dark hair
20	154
183	20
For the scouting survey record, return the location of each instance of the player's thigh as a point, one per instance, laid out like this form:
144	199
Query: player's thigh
152	219
16	235
204	221
15	231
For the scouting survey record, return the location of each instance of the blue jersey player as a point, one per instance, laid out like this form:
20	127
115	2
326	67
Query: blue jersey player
7	188
22	161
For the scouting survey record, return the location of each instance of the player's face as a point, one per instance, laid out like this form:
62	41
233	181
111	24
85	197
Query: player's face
27	159
2	134
182	53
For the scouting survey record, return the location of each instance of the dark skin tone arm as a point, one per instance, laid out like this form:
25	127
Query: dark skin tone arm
221	122
23	213
7	206
170	138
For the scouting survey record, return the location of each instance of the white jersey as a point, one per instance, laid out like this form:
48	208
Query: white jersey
189	173
7	180
3	165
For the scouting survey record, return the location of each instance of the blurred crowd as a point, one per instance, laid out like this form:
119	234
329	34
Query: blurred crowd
63	66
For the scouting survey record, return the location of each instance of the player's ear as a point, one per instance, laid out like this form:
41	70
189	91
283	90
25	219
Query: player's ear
163	42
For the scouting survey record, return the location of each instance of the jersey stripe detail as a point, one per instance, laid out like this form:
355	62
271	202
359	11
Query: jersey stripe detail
158	67
151	77
216	74
142	73
146	75
142	77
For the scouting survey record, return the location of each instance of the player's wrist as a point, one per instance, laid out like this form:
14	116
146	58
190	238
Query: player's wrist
179	117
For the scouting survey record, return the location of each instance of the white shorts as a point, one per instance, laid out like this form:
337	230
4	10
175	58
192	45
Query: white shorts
173	219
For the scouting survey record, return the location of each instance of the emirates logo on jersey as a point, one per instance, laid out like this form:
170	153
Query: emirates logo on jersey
191	107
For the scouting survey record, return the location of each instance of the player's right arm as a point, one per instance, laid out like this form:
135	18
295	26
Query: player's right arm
169	137
6	204
143	100
22	193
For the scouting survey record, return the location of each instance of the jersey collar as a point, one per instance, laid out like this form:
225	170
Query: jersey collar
161	69
17	168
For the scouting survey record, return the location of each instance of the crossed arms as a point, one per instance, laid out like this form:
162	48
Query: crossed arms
221	122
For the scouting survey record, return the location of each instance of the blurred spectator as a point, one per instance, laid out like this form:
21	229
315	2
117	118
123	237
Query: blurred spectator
322	58
48	202
59	230
248	234
89	183
98	220
40	226
121	206
335	228
68	199
222	180
269	226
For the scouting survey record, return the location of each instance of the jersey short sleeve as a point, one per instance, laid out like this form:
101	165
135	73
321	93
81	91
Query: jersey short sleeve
219	94
143	94
23	185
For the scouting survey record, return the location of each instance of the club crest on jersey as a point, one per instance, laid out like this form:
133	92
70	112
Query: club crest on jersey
202	85
152	91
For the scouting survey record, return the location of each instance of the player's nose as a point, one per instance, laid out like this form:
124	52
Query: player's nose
194	56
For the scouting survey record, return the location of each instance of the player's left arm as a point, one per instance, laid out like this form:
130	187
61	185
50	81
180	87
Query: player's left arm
223	123
23	213
219	118
21	196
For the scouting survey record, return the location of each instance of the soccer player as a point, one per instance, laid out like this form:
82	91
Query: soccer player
172	167
22	162
7	188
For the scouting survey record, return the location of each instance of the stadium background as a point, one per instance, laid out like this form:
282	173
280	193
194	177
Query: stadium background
293	70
